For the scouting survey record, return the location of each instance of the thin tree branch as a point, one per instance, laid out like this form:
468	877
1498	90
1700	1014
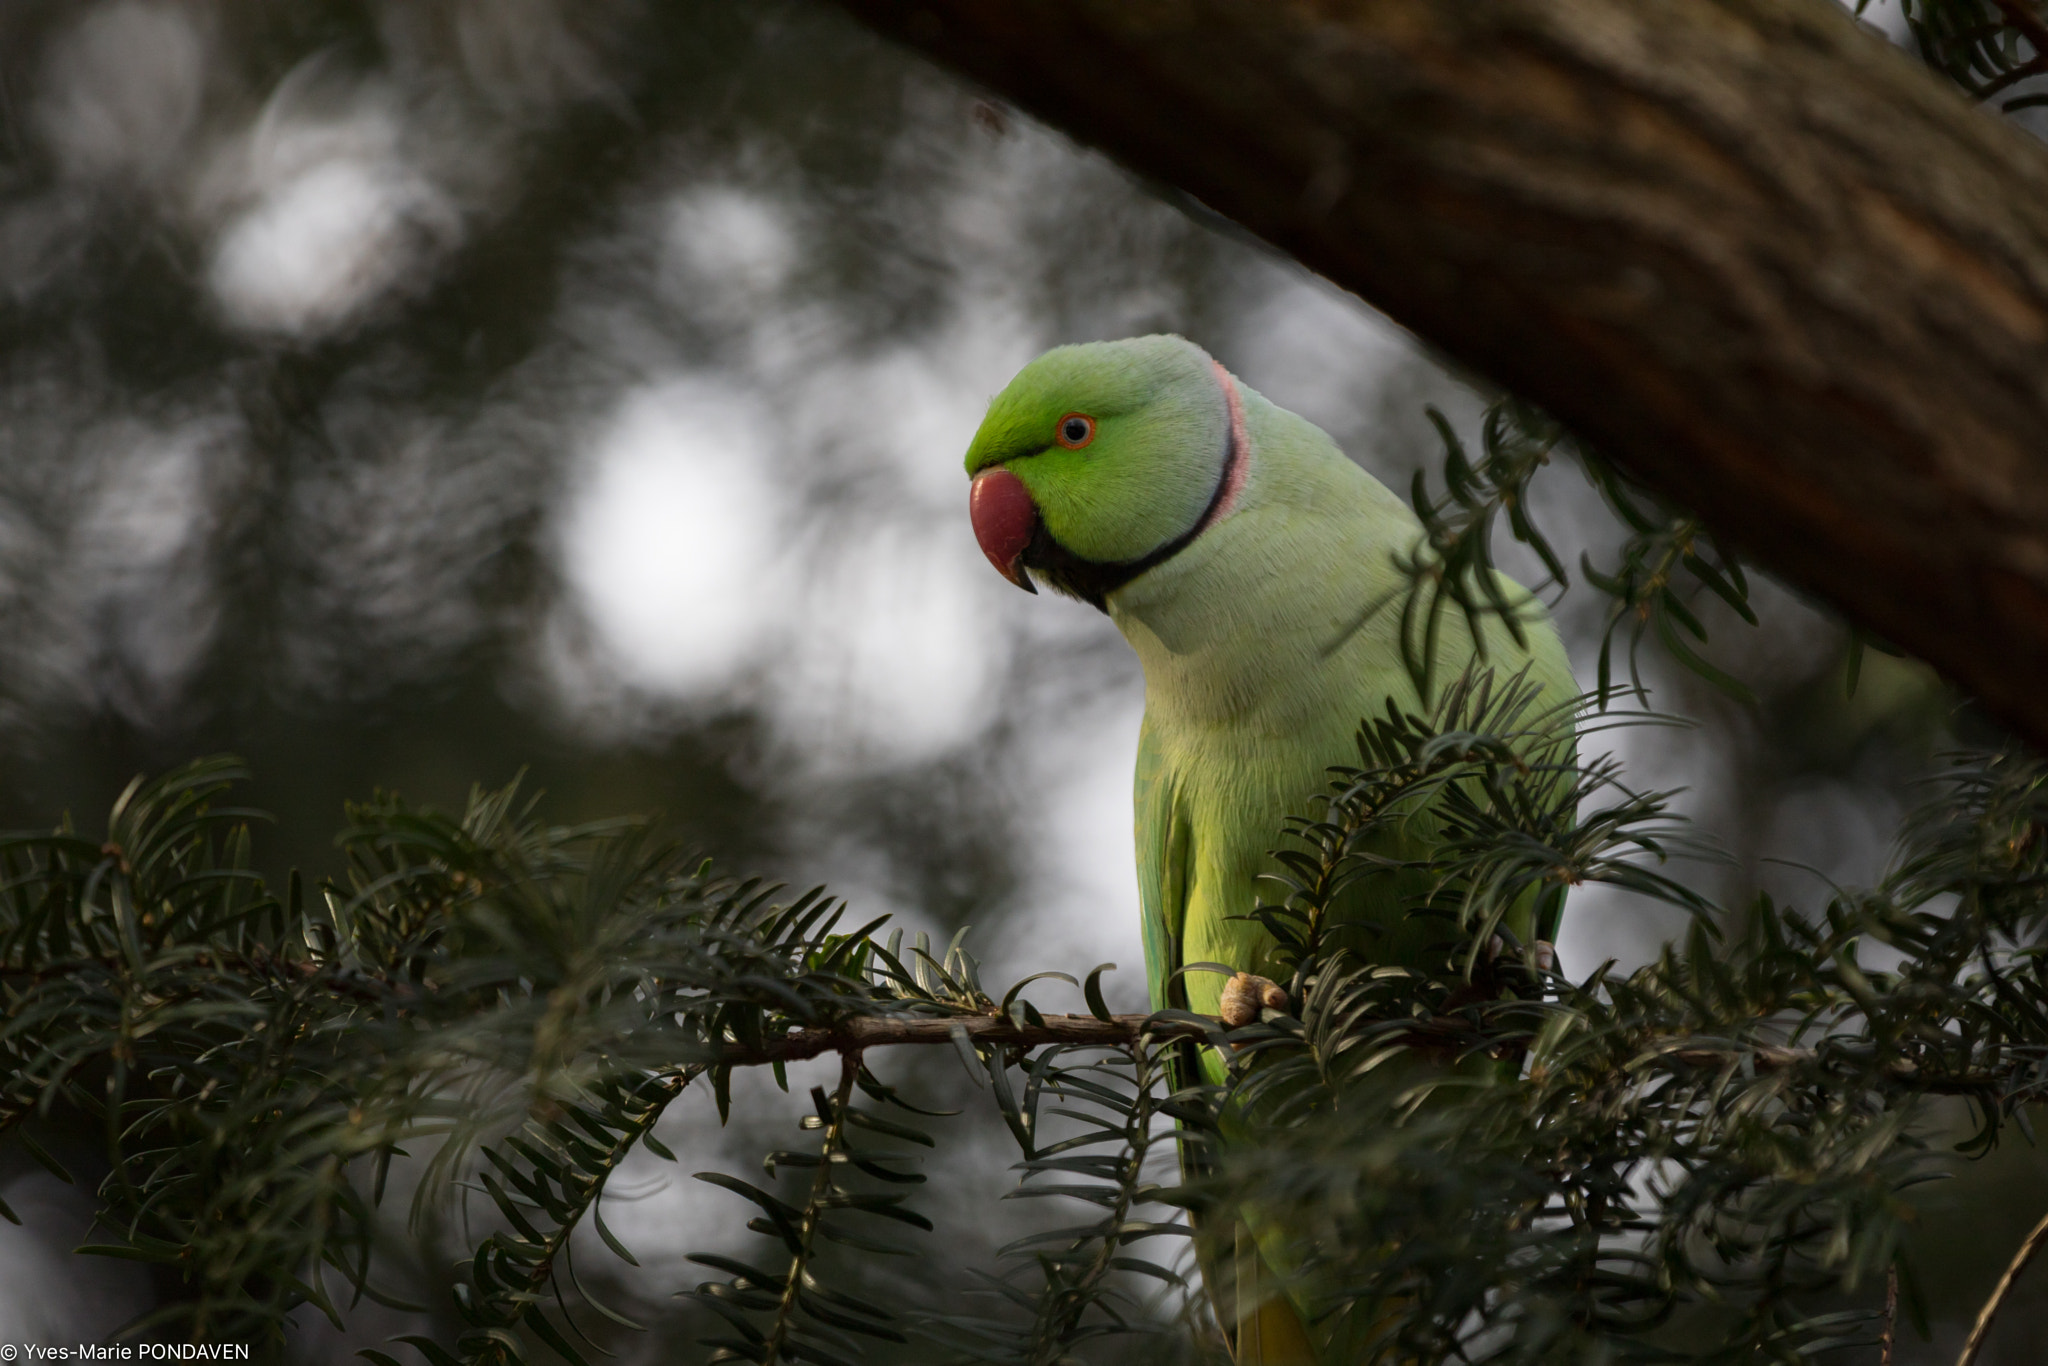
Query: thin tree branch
1991	89
813	1213
882	1031
2034	1243
886	1031
2021	16
1891	1312
1772	1058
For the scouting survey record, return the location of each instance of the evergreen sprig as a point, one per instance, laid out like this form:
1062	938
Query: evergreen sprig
1666	552
526	998
1666	561
1987	47
1452	565
155	988
1695	1162
1472	1157
1076	1286
791	1315
544	1181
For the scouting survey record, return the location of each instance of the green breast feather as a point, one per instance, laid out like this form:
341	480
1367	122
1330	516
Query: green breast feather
1261	661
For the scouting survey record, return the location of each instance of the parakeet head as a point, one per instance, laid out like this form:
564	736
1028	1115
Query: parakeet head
1100	461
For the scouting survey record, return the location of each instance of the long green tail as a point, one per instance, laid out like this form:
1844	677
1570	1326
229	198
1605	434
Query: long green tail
1269	1329
1264	1327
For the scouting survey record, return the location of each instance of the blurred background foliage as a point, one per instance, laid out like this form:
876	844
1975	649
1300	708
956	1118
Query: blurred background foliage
406	394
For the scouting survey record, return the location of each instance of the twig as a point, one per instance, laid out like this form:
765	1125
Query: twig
2035	66
881	1031
1774	1058
2035	1242
2022	16
813	1213
1891	1312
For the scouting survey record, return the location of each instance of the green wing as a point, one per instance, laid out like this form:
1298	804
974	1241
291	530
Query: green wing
1263	1326
1163	861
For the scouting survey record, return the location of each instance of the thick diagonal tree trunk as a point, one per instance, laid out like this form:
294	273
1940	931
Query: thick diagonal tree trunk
1780	271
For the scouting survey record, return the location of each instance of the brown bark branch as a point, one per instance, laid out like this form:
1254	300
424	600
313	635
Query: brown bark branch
1891	1314
883	1031
862	1032
1772	265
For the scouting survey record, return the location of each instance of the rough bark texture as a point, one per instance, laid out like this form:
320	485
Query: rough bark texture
1781	272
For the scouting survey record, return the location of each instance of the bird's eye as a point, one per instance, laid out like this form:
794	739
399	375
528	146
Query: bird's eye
1076	430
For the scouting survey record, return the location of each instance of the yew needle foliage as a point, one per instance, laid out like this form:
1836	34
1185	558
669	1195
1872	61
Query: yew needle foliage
1489	1161
1479	1159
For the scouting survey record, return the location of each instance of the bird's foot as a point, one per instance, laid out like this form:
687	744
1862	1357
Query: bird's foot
1246	993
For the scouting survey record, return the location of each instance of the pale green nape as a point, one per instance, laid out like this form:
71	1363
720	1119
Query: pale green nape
1257	676
1162	425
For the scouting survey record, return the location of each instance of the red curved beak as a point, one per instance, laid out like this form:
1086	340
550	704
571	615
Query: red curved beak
1005	519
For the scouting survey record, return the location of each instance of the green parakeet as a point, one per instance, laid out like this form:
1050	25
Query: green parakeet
1236	548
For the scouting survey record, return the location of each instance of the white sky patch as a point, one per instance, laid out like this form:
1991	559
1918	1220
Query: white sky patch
1317	351
1601	922
1082	905
317	249
671	544
121	91
910	413
1887	17
43	1295
328	214
727	257
897	653
136	571
147	509
740	242
878	637
904	633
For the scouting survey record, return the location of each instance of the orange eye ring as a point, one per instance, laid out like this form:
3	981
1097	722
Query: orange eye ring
1074	431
